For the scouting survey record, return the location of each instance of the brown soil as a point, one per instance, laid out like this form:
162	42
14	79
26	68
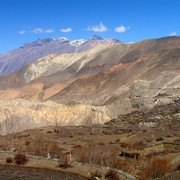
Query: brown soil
87	144
27	173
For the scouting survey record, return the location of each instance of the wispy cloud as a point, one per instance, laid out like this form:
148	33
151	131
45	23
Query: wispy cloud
66	30
173	33
41	30
121	29
22	32
49	30
98	28
37	31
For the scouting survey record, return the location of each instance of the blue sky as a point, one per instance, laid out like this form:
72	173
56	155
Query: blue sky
24	21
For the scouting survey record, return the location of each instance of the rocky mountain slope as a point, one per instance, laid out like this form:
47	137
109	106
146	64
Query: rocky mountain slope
91	86
28	53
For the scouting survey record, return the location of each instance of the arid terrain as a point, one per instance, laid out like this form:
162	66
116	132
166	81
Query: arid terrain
89	90
90	87
150	134
22	173
100	110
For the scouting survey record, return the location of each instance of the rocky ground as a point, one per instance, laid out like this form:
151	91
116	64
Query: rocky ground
91	87
151	134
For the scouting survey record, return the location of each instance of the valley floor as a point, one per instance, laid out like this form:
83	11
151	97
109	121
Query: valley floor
131	143
29	173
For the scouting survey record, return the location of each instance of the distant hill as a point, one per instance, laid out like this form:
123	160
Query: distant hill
104	79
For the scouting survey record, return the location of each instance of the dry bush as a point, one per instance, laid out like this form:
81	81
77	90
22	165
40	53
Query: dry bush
103	159
57	129
126	145
9	160
112	175
107	159
157	168
125	164
95	174
64	161
159	139
149	140
84	155
117	141
20	159
121	164
53	149
89	155
138	145
101	144
42	149
48	132
27	143
39	145
177	167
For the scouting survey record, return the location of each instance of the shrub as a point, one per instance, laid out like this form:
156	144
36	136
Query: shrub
112	175
9	160
126	145
177	168
159	139
57	129
53	149
84	155
48	132
20	159
101	144
64	161
157	168
27	143
95	174
118	140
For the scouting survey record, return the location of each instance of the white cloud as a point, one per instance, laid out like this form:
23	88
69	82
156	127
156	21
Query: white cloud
38	30
22	32
49	30
173	33
99	28
131	42
41	30
66	30
121	29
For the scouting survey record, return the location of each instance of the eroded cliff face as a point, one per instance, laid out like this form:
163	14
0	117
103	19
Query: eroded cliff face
18	115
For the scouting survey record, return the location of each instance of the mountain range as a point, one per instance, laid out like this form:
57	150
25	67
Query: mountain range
84	82
30	52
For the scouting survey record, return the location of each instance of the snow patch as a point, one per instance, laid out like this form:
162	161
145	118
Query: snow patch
77	42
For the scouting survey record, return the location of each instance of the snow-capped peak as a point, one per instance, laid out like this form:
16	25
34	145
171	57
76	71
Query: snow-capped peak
62	39
77	42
